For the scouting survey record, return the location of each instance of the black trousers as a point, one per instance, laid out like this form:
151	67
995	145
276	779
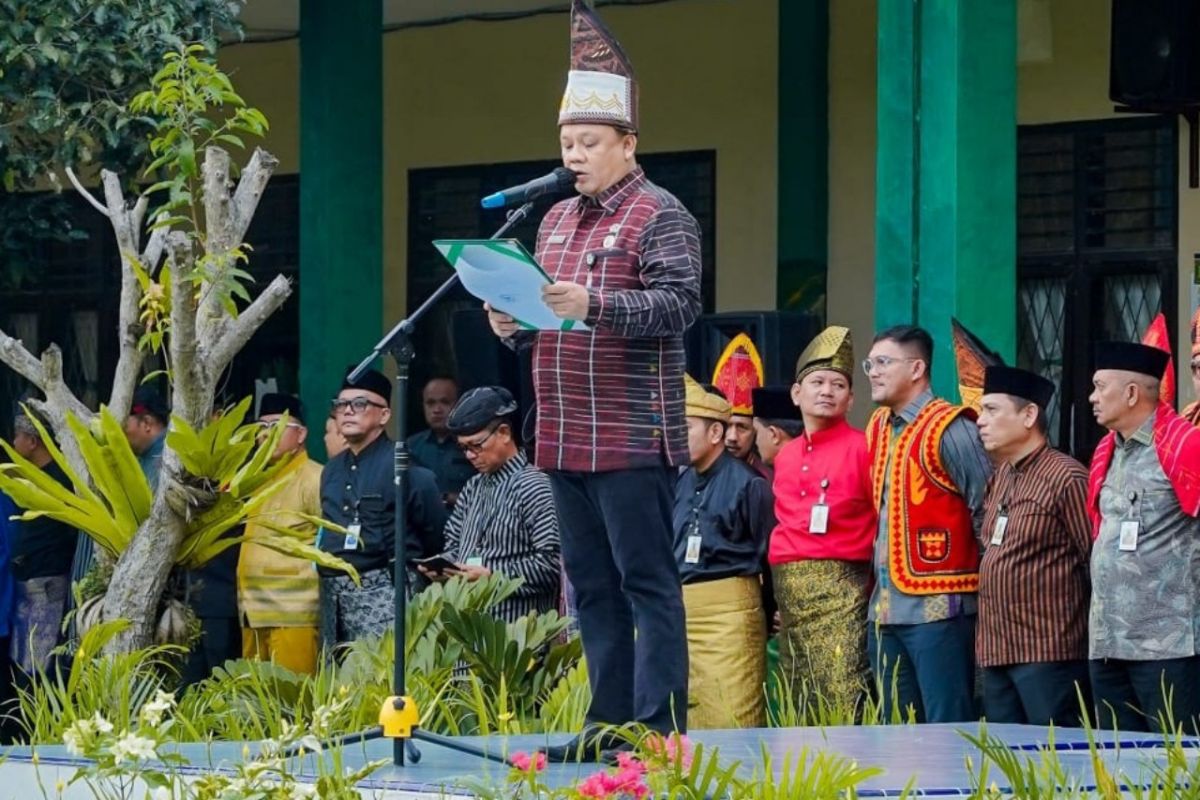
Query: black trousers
1038	693
1131	694
617	545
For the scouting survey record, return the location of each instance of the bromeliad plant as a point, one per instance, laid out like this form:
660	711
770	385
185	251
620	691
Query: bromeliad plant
227	478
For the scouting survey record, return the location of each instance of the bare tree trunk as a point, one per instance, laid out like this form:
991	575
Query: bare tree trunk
141	573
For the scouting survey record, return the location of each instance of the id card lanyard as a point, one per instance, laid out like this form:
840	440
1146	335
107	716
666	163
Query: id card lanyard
818	522
692	555
353	530
1131	525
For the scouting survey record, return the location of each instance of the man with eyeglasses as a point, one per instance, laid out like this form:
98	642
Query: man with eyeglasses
358	494
504	520
929	474
279	595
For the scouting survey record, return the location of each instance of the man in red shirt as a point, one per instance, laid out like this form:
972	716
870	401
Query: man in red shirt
820	550
624	257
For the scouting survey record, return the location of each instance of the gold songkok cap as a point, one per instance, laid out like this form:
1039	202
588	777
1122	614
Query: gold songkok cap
699	403
831	349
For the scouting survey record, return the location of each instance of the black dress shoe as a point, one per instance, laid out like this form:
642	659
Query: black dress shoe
588	747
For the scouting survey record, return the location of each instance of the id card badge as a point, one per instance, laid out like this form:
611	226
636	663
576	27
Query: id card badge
692	556
352	534
1129	535
475	561
1000	527
819	521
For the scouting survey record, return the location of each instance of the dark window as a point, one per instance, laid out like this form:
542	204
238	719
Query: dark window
70	300
1097	218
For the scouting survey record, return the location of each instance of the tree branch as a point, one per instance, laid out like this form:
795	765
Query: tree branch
154	248
188	369
129	330
250	190
14	353
250	320
79	187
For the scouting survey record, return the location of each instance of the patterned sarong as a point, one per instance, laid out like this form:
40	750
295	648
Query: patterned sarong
823	640
40	604
727	635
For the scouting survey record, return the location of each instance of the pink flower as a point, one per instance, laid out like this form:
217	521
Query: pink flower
626	782
526	762
674	748
628	762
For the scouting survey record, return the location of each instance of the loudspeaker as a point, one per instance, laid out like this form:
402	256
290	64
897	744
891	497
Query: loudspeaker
1154	63
780	336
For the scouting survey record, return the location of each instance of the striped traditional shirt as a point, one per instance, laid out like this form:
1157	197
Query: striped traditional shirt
1033	581
507	520
612	397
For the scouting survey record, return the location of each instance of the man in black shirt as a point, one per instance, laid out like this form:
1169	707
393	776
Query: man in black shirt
42	550
723	517
357	493
436	448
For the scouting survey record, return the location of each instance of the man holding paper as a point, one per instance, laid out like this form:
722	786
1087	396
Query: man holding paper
624	258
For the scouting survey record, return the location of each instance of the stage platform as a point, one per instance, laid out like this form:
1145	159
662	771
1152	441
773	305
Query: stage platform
931	758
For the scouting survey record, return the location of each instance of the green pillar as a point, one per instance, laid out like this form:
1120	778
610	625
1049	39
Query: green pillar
803	154
341	194
945	219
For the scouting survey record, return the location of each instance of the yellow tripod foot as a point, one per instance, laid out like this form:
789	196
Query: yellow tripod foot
398	716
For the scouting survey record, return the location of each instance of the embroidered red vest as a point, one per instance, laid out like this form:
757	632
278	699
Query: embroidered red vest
932	547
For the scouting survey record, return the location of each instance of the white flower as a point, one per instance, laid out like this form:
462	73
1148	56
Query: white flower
72	740
152	712
133	747
101	724
303	791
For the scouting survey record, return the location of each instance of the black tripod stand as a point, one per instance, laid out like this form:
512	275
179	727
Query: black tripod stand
399	716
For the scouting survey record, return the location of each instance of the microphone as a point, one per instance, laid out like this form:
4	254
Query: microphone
559	181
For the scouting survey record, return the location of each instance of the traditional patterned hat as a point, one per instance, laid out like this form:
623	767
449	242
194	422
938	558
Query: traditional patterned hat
699	403
1156	336
972	357
739	372
600	86
831	349
476	409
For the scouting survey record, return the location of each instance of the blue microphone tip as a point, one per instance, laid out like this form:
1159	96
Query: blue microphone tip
493	201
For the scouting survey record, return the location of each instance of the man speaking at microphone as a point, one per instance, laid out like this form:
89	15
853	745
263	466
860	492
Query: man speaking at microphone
625	259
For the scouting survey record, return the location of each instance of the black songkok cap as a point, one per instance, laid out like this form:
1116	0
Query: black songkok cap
774	402
478	407
148	402
999	379
1132	357
280	404
370	381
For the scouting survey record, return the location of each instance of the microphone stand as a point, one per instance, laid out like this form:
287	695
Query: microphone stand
399	715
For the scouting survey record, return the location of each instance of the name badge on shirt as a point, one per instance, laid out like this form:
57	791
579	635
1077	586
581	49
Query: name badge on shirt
1129	535
352	534
692	556
818	522
1000	527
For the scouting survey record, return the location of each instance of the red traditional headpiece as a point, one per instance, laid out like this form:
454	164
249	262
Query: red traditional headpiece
1156	336
600	86
738	373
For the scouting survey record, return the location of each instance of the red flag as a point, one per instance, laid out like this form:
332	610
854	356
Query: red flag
1156	336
